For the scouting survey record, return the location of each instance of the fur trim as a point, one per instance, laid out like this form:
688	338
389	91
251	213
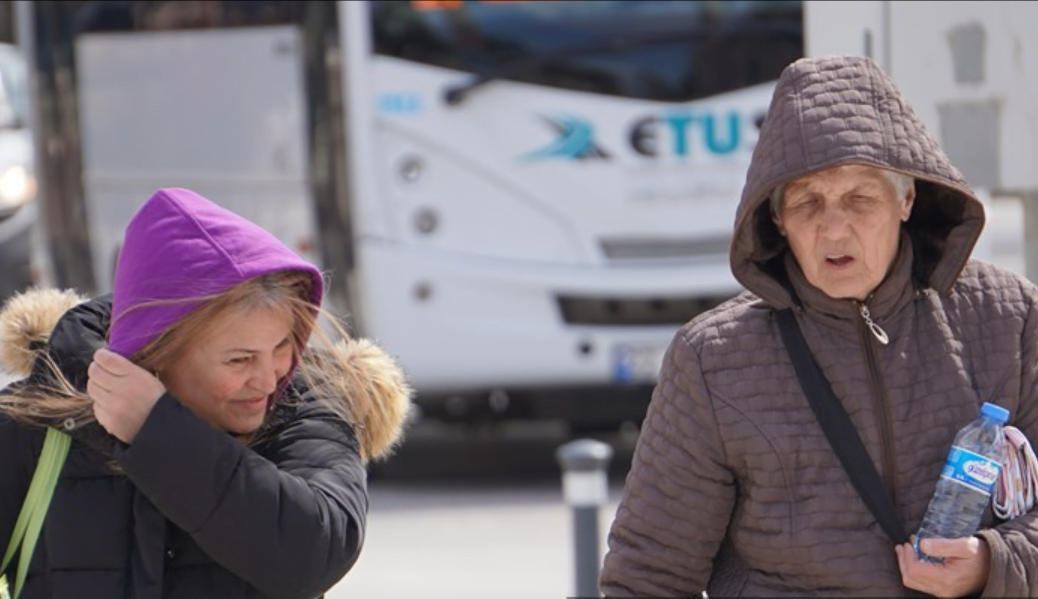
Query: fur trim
377	394
381	401
26	322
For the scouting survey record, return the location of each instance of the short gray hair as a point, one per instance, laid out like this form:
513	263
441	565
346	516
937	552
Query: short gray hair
901	182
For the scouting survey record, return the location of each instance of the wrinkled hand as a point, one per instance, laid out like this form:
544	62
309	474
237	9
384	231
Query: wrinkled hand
123	393
964	571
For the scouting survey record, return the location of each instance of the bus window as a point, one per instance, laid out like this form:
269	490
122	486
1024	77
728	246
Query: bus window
655	50
162	15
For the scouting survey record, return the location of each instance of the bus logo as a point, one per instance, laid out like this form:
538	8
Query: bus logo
575	140
675	133
399	103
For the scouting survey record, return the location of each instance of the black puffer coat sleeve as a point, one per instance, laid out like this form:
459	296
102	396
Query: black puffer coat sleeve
289	522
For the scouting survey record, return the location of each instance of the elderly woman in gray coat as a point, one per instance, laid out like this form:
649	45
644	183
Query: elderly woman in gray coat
853	218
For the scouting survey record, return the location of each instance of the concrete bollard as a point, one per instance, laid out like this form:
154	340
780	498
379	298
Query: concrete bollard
585	488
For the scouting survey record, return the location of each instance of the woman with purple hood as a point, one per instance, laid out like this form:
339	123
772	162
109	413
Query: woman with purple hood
219	437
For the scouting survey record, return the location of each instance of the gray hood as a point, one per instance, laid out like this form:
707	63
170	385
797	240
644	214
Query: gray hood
833	111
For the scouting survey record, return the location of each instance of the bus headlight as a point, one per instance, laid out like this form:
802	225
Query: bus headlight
17	187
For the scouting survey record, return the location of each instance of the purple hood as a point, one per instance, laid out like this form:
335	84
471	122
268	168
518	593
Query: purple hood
178	247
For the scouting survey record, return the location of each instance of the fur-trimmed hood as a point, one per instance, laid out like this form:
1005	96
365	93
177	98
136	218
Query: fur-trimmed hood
380	407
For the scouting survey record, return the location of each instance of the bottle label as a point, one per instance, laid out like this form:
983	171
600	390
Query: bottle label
971	469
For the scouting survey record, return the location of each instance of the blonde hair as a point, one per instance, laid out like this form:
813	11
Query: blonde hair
57	402
286	293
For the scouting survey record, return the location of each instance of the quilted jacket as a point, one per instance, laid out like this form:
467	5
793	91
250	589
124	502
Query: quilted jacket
734	489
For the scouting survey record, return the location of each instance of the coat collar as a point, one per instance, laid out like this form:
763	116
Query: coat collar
892	294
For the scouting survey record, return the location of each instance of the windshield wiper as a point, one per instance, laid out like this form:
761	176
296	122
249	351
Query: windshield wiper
455	94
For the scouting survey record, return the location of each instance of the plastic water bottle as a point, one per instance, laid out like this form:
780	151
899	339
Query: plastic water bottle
969	475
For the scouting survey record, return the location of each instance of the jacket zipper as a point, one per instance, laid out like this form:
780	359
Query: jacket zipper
868	330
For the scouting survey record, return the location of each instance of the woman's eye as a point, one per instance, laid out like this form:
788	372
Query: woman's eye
239	361
802	206
862	202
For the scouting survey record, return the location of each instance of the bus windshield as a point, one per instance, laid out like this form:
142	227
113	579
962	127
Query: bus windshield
656	50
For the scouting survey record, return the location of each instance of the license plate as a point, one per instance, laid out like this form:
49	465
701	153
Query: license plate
638	363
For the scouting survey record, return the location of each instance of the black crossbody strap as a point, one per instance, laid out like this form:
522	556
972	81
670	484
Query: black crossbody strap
840	430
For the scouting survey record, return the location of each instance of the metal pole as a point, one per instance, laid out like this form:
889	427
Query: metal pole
888	36
1030	204
40	256
585	488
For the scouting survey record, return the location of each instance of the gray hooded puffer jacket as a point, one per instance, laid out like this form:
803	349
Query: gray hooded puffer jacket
734	488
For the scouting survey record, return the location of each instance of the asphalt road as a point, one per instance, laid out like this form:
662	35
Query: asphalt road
461	514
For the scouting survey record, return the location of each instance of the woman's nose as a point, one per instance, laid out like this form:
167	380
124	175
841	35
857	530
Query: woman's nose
265	376
834	223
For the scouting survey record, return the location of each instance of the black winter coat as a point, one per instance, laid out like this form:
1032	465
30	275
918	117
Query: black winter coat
188	512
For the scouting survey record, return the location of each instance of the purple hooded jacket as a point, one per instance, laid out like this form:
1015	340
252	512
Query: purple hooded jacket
180	247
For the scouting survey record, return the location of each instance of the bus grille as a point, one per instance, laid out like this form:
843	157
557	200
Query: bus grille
664	249
633	312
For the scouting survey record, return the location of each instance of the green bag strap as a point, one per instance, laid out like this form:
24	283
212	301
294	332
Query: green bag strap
31	500
30	520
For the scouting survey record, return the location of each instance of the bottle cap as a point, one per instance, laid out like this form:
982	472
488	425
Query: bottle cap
994	412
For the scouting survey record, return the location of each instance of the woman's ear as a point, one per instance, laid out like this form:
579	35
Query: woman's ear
906	206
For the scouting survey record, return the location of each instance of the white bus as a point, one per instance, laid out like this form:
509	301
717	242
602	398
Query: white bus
523	201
